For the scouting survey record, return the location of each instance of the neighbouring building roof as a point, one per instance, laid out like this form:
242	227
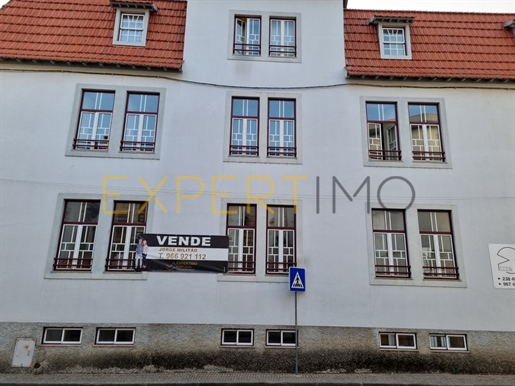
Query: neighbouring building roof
81	32
444	45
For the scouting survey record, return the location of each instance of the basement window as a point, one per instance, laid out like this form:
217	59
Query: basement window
62	336
237	337
397	341
117	336
448	342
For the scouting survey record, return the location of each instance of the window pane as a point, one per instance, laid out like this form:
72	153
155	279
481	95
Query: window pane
245	337
72	335
423	113
388	340
53	335
288	337
283	217
281	109
124	336
424	221
381	112
457	342
143	103
406	340
245	107
274	337
438	341
241	215
106	335
98	100
229	336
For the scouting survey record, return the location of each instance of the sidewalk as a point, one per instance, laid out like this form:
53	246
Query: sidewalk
255	379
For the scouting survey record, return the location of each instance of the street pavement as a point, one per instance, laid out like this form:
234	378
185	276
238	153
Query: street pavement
195	378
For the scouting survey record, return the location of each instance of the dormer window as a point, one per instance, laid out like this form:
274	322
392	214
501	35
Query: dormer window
131	22
394	36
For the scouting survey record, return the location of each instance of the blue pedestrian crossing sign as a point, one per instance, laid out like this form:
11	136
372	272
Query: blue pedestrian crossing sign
297	279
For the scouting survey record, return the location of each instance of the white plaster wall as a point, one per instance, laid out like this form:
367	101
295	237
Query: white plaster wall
36	113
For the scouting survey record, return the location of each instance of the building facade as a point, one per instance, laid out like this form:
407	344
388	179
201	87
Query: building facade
377	154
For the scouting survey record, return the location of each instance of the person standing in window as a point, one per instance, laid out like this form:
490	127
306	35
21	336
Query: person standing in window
144	254
139	254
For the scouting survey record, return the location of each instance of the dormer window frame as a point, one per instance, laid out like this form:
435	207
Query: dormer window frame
393	23
131	9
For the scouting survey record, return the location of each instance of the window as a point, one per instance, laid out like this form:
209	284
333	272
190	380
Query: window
383	143
111	122
425	132
281	338
237	337
131	22
78	228
94	120
122	336
244	127
241	229
140	122
448	342
437	245
62	335
131	28
282	38
391	257
392	340
394	36
281	239
129	220
394	42
247	36
265	36
263	127
281	128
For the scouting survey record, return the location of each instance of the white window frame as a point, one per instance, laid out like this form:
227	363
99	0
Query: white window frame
281	344
237	343
447	342
63	330
117	26
407	40
114	342
397	345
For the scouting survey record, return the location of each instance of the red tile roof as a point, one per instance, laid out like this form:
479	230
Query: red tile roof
81	31
443	45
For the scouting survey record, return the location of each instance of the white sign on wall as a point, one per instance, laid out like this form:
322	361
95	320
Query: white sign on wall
502	258
23	352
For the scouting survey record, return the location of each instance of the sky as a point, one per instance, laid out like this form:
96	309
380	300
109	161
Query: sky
503	6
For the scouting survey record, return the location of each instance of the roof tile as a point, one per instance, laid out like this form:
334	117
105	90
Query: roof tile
443	44
82	31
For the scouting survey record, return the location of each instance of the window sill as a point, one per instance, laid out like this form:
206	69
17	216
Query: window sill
256	58
251	278
111	154
65	275
262	160
443	351
418	282
408	164
237	346
398	349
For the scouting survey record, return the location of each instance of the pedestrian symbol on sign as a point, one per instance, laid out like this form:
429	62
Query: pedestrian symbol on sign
297	282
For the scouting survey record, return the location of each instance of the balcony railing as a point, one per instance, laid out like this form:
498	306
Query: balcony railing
429	156
63	264
394	271
385	155
440	272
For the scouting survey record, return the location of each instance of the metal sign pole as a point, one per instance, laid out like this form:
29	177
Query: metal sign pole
296	339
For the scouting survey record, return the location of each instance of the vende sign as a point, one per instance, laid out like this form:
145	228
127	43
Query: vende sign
186	253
